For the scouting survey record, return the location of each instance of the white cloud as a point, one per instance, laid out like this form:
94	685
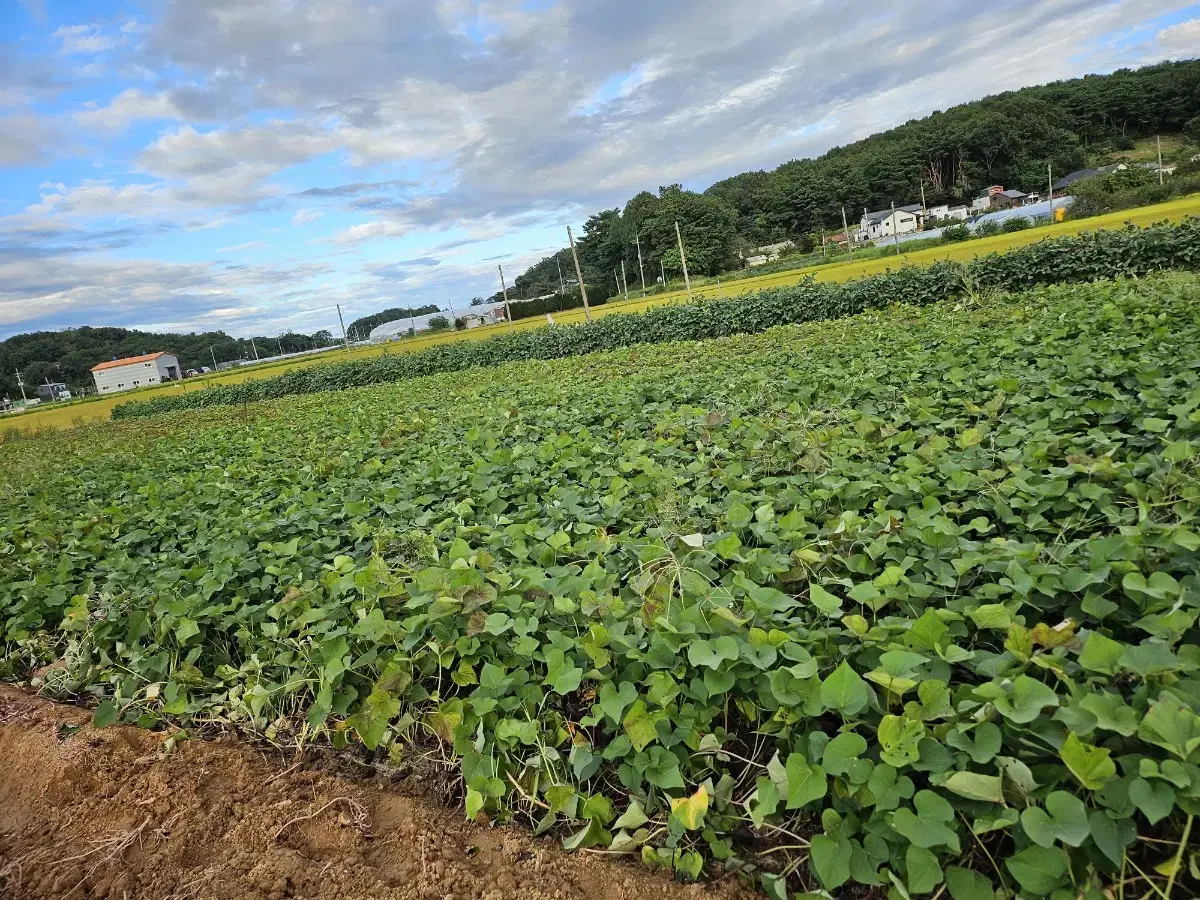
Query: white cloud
368	230
239	248
84	39
305	216
129	106
272	147
1183	38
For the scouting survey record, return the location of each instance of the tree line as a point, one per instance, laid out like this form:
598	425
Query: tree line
68	356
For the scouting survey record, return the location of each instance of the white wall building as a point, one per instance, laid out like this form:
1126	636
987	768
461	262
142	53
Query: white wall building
946	211
473	317
885	223
135	372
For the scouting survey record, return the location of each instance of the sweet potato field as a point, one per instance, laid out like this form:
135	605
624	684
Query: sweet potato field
899	604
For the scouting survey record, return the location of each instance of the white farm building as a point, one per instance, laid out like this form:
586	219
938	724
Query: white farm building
392	331
135	372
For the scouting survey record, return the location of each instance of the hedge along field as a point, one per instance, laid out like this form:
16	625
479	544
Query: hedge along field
903	602
1103	254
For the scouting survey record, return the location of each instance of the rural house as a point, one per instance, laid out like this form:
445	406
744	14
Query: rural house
136	371
1007	199
1083	174
53	390
946	211
886	222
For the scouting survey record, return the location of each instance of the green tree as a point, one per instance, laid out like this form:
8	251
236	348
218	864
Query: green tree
601	248
707	224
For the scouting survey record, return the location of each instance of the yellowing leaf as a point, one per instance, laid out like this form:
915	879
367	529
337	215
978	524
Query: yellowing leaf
690	810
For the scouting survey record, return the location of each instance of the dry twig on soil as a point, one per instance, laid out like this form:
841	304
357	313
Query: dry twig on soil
356	809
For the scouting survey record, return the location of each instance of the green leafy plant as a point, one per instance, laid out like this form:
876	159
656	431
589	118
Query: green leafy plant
901	603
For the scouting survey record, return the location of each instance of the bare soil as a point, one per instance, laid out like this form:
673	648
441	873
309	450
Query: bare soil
110	814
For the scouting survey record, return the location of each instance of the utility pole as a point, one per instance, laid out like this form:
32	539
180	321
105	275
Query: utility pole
453	314
895	228
1050	180
624	280
587	311
822	243
214	356
924	208
504	288
846	226
662	268
412	323
1158	140
255	348
637	240
279	341
617	279
21	385
562	285
345	340
683	260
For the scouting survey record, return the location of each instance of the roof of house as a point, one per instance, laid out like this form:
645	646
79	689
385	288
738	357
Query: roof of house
1081	174
129	361
1013	193
883	214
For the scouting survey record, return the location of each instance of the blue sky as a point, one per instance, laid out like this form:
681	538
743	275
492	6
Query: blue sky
248	164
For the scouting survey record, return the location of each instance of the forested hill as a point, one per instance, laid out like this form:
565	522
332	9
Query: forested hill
1006	139
69	355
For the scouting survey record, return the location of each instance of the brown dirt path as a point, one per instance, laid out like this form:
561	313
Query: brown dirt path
107	814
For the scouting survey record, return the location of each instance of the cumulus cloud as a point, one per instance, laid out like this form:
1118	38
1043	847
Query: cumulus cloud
1183	38
305	216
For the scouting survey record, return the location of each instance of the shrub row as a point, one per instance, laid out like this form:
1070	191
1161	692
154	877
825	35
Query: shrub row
1079	258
